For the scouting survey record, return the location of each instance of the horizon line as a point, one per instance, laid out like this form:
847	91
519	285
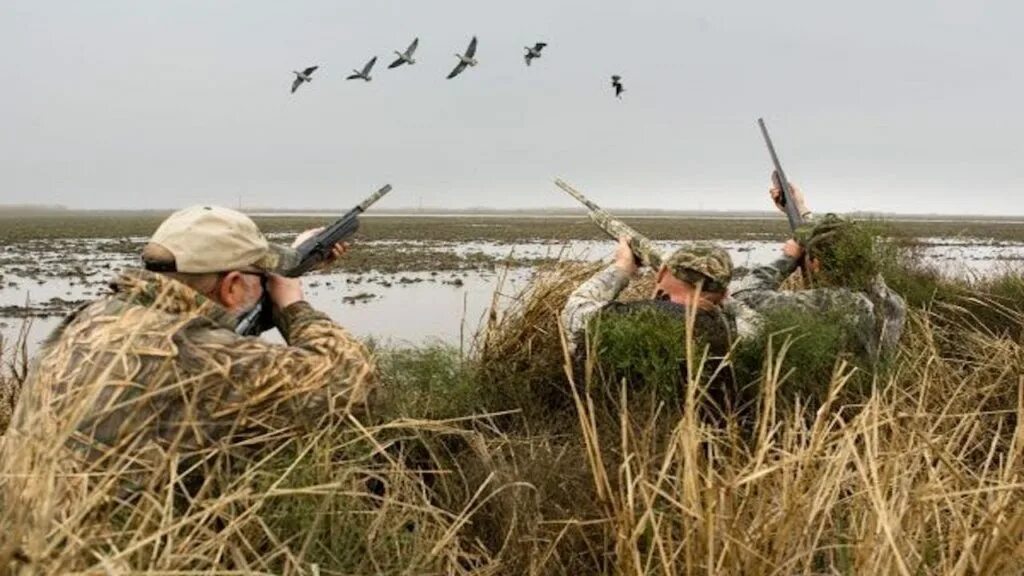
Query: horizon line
43	209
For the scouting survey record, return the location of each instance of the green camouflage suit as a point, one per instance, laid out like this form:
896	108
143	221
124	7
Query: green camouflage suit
876	316
154	373
703	263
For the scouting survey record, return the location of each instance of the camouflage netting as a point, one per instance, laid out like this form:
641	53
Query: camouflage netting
645	343
849	252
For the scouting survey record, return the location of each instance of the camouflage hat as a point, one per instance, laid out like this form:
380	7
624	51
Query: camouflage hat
702	262
824	230
204	239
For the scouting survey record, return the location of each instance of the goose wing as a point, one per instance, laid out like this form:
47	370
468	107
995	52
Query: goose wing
539	46
353	76
296	83
412	47
472	48
458	70
369	66
398	62
309	70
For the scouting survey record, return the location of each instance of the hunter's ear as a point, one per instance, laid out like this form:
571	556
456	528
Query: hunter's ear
231	289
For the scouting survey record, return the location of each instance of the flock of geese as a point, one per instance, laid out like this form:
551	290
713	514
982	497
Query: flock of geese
467	59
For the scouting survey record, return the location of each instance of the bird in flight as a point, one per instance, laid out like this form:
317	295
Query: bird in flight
365	73
304	76
534	52
406	57
617	85
465	60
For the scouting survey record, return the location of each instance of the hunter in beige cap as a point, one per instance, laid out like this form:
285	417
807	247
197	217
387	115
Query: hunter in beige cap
222	255
152	374
204	239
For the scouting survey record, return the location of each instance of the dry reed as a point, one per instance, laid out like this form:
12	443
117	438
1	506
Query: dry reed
13	368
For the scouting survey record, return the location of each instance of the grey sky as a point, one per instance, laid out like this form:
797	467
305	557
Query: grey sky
907	106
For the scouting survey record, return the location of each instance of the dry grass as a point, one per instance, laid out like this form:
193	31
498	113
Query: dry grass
520	346
920	474
921	477
13	367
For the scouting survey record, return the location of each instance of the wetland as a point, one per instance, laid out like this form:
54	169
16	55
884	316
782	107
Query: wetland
419	278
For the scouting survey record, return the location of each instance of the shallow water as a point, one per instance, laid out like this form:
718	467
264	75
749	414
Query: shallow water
408	307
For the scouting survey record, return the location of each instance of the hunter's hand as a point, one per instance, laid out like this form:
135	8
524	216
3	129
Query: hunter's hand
283	291
793	249
337	252
776	194
625	260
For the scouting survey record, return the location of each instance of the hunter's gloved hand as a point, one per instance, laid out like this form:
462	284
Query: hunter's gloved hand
625	260
776	193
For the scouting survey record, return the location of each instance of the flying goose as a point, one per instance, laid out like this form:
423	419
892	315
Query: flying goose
304	76
465	60
365	73
534	52
617	84
405	57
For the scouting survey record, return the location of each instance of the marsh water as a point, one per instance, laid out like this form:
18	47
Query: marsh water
41	281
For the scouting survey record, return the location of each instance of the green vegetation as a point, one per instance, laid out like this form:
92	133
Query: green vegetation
813	344
646	345
646	348
850	254
431	382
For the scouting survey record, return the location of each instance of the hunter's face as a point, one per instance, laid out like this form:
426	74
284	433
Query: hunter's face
672	289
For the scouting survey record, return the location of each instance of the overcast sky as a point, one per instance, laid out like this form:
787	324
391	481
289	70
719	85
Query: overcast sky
912	106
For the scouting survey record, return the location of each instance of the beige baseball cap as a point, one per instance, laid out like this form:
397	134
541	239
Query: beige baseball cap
204	239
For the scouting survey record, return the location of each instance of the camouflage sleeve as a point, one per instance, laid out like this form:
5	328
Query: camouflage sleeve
339	366
768	277
771	276
875	319
322	371
890	313
589	298
855	309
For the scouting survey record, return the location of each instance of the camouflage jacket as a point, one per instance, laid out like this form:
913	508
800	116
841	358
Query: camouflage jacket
876	316
155	368
588	299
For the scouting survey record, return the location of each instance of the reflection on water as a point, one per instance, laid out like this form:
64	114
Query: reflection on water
418	311
421	310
